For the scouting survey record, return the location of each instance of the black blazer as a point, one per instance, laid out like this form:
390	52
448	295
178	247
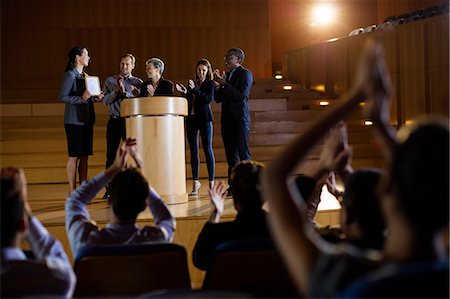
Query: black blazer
234	96
165	88
203	95
245	226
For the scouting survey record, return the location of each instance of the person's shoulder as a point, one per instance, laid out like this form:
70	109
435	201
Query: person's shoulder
166	81
136	79
72	73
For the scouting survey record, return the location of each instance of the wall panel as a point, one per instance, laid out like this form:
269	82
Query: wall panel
37	35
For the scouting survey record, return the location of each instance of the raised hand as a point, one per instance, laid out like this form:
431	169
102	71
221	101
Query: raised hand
150	90
217	196
133	152
219	77
191	84
181	88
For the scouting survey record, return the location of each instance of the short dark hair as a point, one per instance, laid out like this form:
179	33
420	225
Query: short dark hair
362	202
245	185
128	191
419	175
238	52
12	210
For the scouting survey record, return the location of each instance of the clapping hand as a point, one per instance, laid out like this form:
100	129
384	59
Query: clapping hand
217	195
191	84
181	88
219	77
150	90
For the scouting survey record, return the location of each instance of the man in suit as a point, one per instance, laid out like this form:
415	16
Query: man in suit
232	90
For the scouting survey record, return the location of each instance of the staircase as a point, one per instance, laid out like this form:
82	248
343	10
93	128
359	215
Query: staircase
32	132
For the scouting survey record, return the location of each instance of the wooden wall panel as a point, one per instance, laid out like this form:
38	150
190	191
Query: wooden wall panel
417	55
439	90
37	35
337	73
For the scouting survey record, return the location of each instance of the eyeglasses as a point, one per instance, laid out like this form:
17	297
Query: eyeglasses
230	57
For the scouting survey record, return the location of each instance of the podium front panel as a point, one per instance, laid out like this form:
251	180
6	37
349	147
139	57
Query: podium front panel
161	142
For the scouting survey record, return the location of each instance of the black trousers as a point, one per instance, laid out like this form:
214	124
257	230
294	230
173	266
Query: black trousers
115	132
235	140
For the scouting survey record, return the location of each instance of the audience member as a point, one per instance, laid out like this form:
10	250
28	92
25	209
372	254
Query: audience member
129	196
361	220
50	272
116	89
250	220
415	197
199	95
79	115
233	90
157	85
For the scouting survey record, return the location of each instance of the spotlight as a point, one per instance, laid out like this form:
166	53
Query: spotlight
323	14
324	103
287	87
368	122
278	77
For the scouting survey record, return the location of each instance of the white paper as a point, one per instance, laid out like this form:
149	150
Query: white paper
93	85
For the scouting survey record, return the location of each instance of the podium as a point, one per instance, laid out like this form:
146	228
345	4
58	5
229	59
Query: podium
157	123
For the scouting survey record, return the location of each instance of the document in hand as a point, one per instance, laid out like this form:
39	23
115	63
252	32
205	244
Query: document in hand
93	85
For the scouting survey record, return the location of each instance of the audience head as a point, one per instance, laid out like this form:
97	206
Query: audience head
419	176
203	70
13	205
245	186
154	66
127	64
128	193
74	54
361	207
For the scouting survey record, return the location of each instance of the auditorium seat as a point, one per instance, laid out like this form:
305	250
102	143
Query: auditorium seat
443	8
356	32
414	16
249	266
369	29
421	280
429	12
130	270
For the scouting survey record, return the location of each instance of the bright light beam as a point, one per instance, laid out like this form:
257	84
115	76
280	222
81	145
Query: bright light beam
323	14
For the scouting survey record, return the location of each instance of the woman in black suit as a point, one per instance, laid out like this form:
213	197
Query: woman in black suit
199	120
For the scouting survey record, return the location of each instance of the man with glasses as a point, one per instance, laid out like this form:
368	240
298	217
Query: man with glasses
232	90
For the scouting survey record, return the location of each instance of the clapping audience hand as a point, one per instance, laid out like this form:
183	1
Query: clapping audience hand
191	84
217	195
133	152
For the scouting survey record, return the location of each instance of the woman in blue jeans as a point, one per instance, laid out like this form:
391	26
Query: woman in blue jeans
199	94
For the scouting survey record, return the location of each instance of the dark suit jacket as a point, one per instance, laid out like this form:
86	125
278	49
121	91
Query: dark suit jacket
234	96
245	226
204	94
165	88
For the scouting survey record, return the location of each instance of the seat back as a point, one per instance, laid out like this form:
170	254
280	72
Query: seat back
424	280
126	270
250	266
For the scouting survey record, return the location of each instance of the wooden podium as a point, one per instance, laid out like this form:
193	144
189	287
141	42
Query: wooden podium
157	123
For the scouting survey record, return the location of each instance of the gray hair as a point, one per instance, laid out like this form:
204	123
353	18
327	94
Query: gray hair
157	63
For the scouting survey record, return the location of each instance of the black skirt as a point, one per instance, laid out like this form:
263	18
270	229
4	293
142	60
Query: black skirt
79	139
